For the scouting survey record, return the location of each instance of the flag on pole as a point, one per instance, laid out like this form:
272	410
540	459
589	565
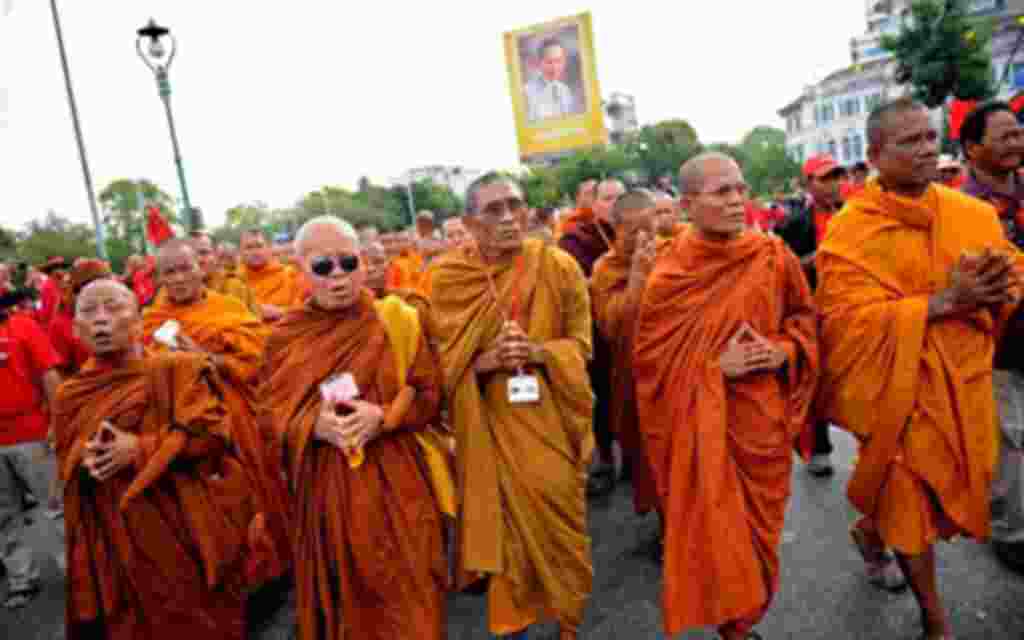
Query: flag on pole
157	229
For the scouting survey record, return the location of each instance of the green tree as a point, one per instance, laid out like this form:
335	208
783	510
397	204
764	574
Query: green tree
766	164
247	215
125	222
55	235
594	164
541	187
941	52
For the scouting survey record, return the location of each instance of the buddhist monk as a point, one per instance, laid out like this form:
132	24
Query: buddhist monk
587	241
726	366
69	346
514	331
227	257
616	288
915	283
455	233
369	560
156	507
667	221
220	328
586	192
218	279
274	285
407	263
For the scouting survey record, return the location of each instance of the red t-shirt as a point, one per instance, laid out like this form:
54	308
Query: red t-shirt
49	300
25	355
72	351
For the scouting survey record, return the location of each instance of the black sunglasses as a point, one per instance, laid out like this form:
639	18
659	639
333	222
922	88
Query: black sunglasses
324	265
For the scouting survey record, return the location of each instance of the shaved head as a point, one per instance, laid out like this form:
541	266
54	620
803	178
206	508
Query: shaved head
376	259
880	118
107	319
178	271
691	174
321	224
638	200
108	287
174	247
608	192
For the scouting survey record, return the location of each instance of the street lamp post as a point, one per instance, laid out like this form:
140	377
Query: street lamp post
153	55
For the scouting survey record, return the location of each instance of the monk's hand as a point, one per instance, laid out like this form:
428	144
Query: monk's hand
271	313
514	347
109	451
643	260
328	426
187	344
976	281
360	427
765	355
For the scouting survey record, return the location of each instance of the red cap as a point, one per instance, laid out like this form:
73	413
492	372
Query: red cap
821	165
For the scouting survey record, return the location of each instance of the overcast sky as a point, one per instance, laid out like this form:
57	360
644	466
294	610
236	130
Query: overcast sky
273	99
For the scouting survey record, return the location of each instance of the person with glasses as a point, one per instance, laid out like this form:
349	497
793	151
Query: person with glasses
725	363
347	388
915	286
514	338
276	287
220	328
616	289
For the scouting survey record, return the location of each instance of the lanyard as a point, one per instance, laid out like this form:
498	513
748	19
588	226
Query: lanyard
517	291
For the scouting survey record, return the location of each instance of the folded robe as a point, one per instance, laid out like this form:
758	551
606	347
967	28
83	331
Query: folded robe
275	284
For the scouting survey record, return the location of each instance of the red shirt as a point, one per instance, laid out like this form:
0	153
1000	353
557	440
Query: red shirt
49	299
143	285
25	355
71	350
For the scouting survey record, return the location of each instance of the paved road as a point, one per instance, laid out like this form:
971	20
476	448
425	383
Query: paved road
823	597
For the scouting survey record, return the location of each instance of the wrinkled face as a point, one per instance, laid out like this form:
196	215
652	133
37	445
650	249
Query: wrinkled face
908	154
455	233
334	289
718	210
107	318
1002	148
205	255
552	63
634	227
496	223
607	193
585	194
666	215
825	189
376	261
178	272
256	252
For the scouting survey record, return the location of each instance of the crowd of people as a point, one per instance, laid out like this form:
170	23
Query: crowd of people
382	418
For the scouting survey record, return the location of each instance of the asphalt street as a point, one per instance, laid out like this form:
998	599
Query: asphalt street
824	594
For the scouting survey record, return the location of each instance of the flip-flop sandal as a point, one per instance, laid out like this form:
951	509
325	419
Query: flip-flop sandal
18	598
883	570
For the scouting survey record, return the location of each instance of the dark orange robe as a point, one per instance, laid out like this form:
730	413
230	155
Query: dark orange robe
276	284
521	470
722	450
406	272
369	560
917	393
615	311
230	283
222	326
168	563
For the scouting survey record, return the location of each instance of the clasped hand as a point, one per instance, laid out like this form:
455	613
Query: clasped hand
976	281
511	351
352	431
749	352
109	451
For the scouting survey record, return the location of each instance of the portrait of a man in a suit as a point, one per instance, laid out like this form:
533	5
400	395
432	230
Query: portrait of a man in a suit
554	91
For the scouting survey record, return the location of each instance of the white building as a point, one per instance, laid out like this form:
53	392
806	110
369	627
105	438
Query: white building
831	116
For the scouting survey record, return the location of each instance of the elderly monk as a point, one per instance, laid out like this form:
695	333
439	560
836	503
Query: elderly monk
455	233
220	280
616	288
586	242
915	284
514	332
156	506
276	286
726	367
222	329
369	561
69	346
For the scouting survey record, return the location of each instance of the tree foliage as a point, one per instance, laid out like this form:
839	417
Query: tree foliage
941	52
55	235
766	164
124	218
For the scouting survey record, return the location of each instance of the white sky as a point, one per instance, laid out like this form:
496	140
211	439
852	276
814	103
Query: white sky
273	99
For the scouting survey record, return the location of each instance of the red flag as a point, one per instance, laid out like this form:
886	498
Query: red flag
958	111
157	229
1017	104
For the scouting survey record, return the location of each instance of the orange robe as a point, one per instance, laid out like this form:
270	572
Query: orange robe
579	216
405	271
615	311
917	393
276	284
166	564
223	327
521	470
231	284
722	450
369	561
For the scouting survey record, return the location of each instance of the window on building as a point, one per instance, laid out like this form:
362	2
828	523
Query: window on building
858	148
846	150
826	113
872	102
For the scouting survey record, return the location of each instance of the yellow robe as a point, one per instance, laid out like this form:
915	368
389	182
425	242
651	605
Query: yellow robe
231	284
521	469
276	284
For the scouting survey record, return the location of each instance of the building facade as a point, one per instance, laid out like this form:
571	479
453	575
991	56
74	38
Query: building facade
831	116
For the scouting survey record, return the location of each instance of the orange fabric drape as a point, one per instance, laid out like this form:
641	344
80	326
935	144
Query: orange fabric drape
169	563
721	450
918	394
276	284
406	272
369	561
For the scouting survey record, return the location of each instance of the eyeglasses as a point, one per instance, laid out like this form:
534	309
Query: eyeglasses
323	266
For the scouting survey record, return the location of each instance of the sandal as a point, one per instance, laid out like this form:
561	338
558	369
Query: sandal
19	597
882	569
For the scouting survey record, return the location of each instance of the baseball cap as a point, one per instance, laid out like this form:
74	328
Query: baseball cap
820	165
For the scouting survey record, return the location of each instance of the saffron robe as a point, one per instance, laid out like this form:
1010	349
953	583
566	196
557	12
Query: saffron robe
221	326
369	561
167	563
615	311
275	284
721	450
917	393
229	283
521	470
405	271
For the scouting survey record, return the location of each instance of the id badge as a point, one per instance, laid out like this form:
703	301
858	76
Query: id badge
523	389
